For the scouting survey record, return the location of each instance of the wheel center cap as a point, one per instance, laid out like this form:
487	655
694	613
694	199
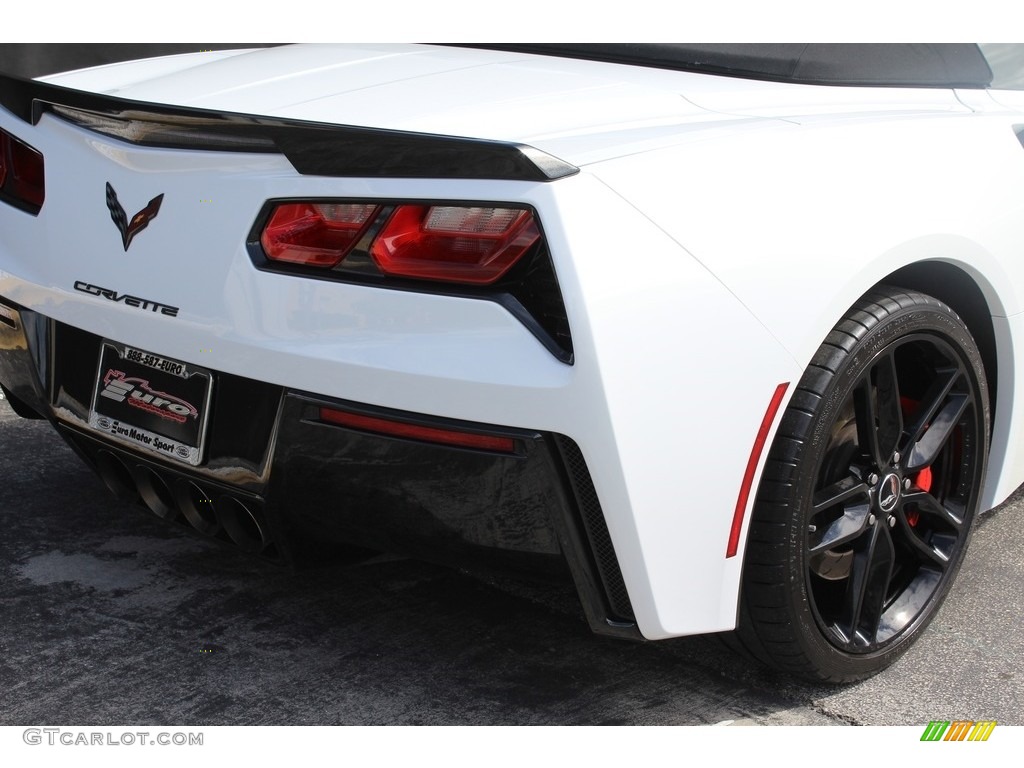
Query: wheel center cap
889	492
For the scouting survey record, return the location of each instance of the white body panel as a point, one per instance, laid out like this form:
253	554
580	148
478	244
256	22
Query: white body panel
828	250
704	251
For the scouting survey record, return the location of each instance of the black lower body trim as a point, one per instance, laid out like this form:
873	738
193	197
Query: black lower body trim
605	562
280	481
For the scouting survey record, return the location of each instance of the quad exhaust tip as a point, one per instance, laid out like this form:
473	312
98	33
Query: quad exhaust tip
155	493
241	524
217	515
116	475
197	506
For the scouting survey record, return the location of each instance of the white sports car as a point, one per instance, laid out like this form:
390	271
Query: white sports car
729	335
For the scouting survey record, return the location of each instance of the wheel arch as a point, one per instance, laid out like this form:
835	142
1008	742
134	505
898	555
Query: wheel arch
983	309
957	289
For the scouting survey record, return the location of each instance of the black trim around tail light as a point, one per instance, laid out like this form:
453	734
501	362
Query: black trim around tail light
525	284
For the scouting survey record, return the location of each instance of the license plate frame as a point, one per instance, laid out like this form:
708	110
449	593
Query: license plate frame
153	402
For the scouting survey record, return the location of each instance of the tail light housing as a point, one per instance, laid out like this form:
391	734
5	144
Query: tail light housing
458	244
315	234
462	244
21	174
489	251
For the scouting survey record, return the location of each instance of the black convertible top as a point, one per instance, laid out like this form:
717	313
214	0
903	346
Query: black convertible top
912	65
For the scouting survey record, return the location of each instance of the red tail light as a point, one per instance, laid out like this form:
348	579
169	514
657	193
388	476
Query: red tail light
475	245
315	234
458	244
21	174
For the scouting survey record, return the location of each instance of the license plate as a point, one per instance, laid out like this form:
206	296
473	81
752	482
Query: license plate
151	401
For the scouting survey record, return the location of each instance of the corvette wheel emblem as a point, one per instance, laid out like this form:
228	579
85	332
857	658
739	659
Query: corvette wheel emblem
889	493
129	229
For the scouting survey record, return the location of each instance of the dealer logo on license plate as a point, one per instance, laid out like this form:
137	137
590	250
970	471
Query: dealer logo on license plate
139	394
151	401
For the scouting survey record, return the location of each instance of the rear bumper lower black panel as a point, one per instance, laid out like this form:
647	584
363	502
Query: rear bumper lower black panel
277	480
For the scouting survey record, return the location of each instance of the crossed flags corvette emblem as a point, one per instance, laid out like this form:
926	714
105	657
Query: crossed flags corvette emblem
129	229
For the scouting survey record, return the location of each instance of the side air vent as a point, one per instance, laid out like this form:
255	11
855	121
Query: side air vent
596	528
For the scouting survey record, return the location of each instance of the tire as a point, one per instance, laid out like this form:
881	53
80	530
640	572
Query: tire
865	506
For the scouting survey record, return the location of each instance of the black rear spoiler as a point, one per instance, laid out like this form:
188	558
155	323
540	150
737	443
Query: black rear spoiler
315	149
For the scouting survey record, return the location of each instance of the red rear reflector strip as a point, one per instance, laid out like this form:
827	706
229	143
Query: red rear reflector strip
748	476
418	432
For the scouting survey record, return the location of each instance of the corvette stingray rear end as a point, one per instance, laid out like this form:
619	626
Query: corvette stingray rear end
657	324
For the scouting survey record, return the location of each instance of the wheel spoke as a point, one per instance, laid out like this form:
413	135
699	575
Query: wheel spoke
868	587
867	432
908	604
890	410
951	513
839	493
938	432
930	403
934	550
848	528
853	521
879	415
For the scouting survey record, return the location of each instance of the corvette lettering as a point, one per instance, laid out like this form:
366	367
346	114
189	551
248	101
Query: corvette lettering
138	393
131	301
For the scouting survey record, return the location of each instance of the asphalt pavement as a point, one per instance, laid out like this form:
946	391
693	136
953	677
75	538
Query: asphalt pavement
111	616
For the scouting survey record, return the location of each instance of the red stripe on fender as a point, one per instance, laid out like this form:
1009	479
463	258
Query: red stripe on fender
748	476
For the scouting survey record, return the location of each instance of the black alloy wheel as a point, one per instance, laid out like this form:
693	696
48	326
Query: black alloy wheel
865	506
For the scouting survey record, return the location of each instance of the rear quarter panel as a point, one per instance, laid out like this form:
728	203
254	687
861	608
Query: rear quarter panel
801	218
